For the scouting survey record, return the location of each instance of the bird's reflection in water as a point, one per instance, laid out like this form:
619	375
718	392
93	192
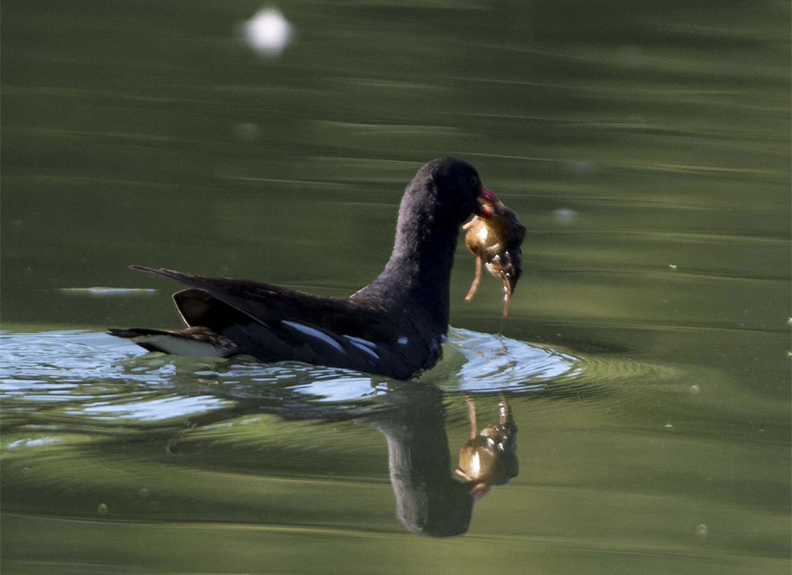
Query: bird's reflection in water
433	496
430	498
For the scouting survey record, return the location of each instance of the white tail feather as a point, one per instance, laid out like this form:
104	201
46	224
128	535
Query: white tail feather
179	345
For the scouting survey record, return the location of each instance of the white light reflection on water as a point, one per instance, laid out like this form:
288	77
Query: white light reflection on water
339	389
31	442
160	409
108	291
267	32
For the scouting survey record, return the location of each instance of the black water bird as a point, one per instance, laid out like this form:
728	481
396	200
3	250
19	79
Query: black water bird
394	326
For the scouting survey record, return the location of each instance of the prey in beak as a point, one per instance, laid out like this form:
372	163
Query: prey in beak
494	236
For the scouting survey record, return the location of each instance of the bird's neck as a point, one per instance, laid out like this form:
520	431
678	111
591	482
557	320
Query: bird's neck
418	274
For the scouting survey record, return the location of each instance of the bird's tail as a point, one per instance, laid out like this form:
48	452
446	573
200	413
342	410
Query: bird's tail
194	341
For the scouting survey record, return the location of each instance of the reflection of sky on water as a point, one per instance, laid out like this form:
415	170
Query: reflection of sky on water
21	386
33	442
340	389
153	409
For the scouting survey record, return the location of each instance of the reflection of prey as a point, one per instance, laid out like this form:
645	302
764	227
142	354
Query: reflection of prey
489	458
429	501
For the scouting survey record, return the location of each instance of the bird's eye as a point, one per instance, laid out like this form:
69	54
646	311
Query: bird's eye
473	181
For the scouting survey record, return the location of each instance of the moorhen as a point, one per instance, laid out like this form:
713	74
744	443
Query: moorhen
394	326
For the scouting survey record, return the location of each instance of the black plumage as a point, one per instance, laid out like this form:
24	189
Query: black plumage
394	326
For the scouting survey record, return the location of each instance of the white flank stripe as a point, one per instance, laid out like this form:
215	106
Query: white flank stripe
402	340
315	333
363	345
361	341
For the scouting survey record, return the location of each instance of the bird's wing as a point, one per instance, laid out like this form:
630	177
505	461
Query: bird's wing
275	323
270	304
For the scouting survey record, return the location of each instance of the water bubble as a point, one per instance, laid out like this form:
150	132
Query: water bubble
701	531
267	32
631	55
580	168
695	389
565	215
247	132
144	492
669	426
673	267
102	509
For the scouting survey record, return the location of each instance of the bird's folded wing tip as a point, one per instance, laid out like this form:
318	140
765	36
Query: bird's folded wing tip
159	271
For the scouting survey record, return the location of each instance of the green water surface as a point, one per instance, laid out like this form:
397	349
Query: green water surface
646	148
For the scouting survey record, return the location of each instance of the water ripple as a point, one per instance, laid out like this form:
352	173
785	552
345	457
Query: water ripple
82	377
